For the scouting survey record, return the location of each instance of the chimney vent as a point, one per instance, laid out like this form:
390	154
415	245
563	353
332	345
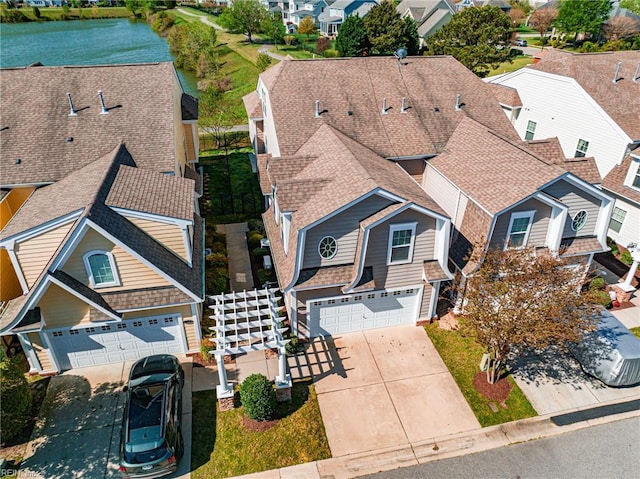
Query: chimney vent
615	77
458	105
17	161
102	105
404	106
73	110
384	106
317	108
636	75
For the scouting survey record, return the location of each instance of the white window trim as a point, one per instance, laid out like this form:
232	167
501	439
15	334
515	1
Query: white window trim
112	264
573	219
400	227
588	142
634	171
624	217
526	129
334	253
514	216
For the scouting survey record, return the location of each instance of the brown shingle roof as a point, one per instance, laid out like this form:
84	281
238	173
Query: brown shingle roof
434	271
351	93
595	73
36	125
614	181
506	95
335	275
147	297
252	105
492	170
550	149
580	246
152	192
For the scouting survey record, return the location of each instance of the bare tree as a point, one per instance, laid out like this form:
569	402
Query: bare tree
542	20
520	299
619	28
517	16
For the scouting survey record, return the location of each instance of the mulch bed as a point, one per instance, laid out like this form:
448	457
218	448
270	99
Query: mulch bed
498	392
253	425
211	360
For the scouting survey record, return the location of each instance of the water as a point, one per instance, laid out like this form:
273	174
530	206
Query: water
85	42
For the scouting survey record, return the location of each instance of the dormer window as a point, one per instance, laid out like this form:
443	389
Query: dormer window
581	149
101	269
401	242
519	229
636	179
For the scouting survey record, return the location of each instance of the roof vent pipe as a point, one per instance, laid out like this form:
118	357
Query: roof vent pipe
615	77
104	108
458	102
384	106
404	106
73	110
636	75
317	108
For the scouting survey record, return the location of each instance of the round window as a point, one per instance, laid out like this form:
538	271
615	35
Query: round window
579	220
328	247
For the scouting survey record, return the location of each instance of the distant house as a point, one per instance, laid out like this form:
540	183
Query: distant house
458	6
378	198
590	102
100	230
298	10
330	20
429	15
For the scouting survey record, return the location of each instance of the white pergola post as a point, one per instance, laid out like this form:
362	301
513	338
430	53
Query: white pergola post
283	380
626	286
224	390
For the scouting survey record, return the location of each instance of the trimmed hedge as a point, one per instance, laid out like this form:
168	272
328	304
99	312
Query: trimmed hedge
258	397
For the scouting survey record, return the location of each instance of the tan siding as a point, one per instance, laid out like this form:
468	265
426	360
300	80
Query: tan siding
576	200
538	234
34	254
132	273
344	228
41	352
9	284
60	308
169	235
401	274
10	204
426	301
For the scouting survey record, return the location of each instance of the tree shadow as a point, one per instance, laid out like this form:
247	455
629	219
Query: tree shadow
75	431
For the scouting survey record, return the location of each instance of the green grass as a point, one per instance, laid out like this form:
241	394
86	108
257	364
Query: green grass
77	13
462	356
636	331
506	67
235	196
222	446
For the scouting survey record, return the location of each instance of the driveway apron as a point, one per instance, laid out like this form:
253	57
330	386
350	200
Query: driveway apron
385	388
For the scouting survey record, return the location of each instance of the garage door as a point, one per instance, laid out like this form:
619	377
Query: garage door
379	309
117	342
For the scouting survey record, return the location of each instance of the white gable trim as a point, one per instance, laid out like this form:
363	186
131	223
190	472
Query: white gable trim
42	228
10	247
152	217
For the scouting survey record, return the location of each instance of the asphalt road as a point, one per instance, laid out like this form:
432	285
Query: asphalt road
599	452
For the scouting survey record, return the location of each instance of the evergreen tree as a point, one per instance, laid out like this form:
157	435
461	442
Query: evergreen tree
387	30
352	38
579	16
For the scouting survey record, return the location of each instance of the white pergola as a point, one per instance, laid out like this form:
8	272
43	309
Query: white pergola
248	321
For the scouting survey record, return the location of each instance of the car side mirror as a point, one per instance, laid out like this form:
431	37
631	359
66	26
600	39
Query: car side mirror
125	389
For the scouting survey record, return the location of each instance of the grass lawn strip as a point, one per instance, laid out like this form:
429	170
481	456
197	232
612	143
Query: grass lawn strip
462	356
636	331
506	67
222	447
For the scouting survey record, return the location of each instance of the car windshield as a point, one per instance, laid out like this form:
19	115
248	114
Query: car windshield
145	441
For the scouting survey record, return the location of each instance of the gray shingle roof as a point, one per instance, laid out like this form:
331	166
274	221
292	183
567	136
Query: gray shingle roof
351	93
37	128
595	72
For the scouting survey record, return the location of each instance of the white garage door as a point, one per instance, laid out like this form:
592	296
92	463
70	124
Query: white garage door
117	342
377	309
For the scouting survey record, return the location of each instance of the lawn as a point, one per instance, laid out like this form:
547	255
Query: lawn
78	13
222	447
636	331
506	67
462	355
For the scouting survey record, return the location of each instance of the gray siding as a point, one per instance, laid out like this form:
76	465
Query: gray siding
576	199
538	234
427	292
402	274
344	228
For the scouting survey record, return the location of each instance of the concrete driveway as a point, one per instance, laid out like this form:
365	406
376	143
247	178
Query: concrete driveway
383	388
78	432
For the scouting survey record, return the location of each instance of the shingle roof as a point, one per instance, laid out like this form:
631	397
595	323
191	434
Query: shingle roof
614	181
506	95
189	105
37	128
335	275
252	105
152	192
351	93
581	246
550	149
595	73
492	170
434	272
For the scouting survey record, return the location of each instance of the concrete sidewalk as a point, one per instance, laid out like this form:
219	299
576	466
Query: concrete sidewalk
240	275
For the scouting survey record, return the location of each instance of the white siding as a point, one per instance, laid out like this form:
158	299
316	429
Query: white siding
270	138
445	192
630	231
560	108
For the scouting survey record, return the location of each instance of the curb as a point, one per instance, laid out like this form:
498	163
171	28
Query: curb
477	440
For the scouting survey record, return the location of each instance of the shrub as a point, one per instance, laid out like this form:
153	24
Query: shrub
219	248
290	40
294	346
217	260
256	225
16	398
626	258
596	284
257	397
331	53
266	275
601	297
206	346
263	61
259	252
589	47
253	238
322	45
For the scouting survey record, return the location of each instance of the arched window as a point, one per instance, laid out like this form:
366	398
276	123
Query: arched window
101	269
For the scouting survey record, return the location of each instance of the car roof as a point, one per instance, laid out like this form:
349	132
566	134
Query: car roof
159	363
